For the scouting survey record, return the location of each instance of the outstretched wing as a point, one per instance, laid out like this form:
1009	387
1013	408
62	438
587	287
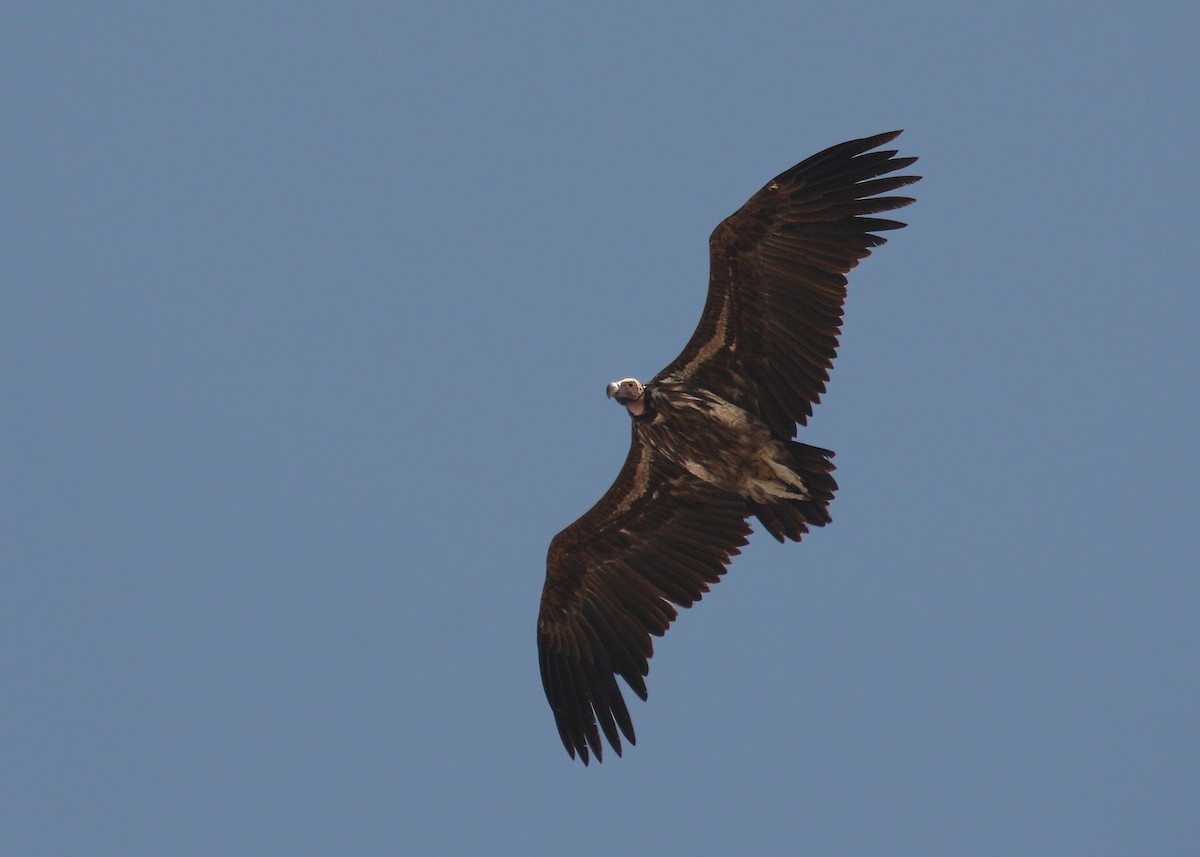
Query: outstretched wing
777	280
656	540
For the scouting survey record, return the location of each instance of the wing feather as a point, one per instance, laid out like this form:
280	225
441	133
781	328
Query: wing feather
769	330
656	541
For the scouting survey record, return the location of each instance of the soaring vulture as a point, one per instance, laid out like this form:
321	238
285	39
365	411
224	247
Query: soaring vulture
713	436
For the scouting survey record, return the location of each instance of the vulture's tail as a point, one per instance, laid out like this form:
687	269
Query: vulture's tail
790	518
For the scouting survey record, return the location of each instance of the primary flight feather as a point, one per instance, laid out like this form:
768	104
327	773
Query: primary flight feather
713	436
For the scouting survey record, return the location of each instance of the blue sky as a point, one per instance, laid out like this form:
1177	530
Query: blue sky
306	316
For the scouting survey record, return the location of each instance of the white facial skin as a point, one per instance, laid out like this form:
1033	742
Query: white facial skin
628	391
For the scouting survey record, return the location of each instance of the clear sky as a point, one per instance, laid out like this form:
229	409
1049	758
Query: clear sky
306	314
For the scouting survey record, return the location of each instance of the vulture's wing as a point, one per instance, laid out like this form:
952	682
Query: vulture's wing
656	540
777	280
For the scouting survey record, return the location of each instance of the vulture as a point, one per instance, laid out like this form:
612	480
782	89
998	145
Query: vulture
714	436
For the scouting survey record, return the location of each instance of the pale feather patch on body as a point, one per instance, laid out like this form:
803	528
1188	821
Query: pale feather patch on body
699	471
789	477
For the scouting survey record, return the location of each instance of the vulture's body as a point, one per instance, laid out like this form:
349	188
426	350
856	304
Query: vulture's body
713	436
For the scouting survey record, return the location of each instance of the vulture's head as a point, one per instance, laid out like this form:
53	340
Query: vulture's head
628	391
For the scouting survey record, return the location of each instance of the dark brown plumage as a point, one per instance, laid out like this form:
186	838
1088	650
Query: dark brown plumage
713	436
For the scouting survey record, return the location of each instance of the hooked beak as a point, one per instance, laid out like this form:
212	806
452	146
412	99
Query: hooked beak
612	388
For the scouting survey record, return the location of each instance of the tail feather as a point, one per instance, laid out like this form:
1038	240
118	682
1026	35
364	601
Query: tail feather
791	518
